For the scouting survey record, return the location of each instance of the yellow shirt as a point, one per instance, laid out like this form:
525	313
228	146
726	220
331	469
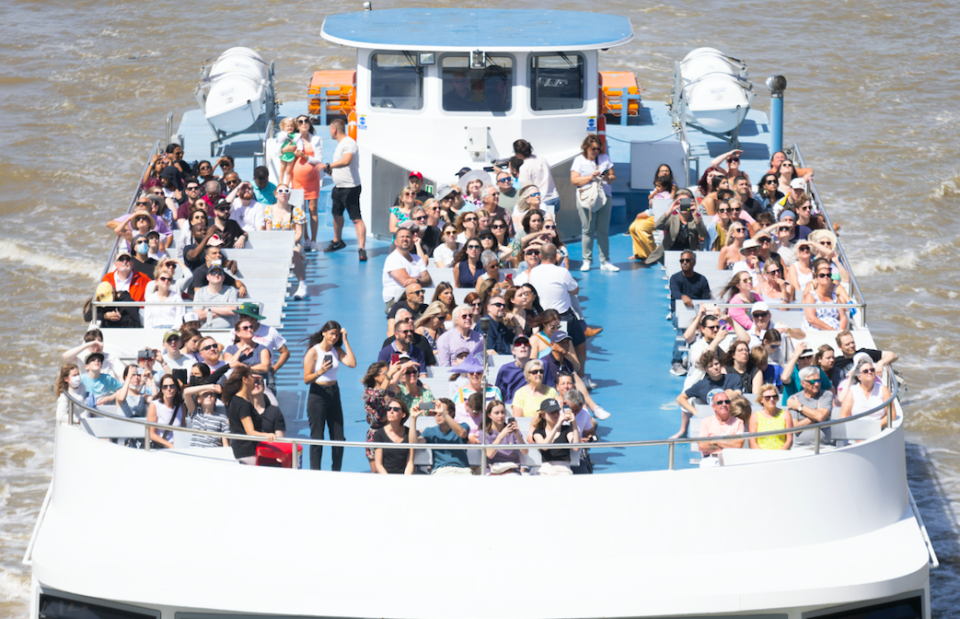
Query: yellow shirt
529	401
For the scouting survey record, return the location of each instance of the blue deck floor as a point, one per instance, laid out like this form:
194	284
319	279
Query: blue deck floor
630	360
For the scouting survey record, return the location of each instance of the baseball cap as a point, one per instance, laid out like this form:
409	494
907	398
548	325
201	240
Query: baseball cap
123	252
190	317
759	306
415	173
521	339
92	356
797	183
549	405
215	241
171	333
215	268
463	171
558	336
169	173
443	191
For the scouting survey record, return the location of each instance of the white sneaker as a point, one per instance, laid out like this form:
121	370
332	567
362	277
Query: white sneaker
301	291
600	414
589	384
609	266
586	265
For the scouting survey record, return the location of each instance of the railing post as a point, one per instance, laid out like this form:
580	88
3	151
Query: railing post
70	409
295	462
890	415
146	438
672	445
816	442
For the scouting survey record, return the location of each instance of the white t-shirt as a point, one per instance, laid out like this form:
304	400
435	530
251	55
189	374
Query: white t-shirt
170	316
585	167
269	338
554	286
536	171
414	267
249	217
184	362
695	372
443	254
347	176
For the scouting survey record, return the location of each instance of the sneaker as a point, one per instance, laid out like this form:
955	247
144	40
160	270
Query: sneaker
310	245
678	370
600	414
301	291
334	246
609	266
363	255
586	265
591	331
588	382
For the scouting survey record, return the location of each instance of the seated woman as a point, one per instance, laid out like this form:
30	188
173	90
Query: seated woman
500	432
767	192
554	427
284	216
773	287
413	392
779	157
865	391
271	417
430	323
467	226
467	267
443	254
711	202
530	229
824	245
380	383
525	307
771	417
737	361
136	393
404	210
475	303
825	291
800	273
740	290
730	252
491	269
732	159
160	316
527	399
500	228
705	186
208	415
393	461
444	294
243	417
472	369
169	408
68	384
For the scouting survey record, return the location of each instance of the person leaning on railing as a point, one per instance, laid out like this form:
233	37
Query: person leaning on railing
825	292
242	415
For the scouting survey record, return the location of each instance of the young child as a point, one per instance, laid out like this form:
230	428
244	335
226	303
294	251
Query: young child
288	132
662	188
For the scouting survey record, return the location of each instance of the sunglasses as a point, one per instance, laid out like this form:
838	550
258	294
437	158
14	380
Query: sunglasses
868	371
143	203
503	180
232	183
124	259
450	233
805	248
470	220
770	182
498	305
245	328
732	159
534	195
193	187
713	327
536	372
724	210
473	247
823	275
421	218
721	402
168	386
303	121
769	398
532	252
774	272
210	347
283	191
498	226
685	260
815	381
549	227
165	279
475	304
760	314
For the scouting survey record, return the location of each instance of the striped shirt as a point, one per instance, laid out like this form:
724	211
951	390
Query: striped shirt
216	422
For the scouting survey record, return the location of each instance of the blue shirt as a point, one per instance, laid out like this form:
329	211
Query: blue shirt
443	457
265	195
415	355
99	387
510	379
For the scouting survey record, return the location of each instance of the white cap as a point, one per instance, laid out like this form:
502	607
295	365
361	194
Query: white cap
797	183
191	317
760	306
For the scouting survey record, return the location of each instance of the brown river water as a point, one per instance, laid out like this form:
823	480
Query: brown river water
872	99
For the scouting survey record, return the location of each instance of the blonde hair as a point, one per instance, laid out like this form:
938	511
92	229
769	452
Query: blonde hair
284	122
766	387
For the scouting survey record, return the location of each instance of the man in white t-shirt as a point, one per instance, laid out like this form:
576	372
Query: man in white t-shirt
402	268
536	171
244	208
345	170
558	290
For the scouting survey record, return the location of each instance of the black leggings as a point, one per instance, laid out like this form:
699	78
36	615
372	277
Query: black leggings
323	409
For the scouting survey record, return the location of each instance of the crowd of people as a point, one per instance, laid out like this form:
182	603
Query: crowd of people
774	242
778	249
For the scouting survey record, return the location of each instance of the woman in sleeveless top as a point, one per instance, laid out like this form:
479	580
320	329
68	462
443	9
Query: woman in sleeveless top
730	252
168	408
306	175
740	291
467	267
430	324
865	392
327	350
542	342
773	288
825	291
772	417
800	272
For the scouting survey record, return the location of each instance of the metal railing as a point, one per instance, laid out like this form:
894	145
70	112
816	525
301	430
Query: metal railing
815	197
133	201
887	406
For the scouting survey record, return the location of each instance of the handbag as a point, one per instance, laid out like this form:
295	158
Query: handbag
592	196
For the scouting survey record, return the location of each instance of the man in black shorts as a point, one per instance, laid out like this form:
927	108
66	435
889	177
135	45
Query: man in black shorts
345	171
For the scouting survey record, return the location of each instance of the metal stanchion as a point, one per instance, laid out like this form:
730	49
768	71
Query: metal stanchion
484	328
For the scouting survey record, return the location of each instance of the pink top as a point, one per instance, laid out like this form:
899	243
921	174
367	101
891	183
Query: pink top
712	426
739	313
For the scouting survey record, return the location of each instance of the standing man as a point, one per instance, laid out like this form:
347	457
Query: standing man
345	170
558	290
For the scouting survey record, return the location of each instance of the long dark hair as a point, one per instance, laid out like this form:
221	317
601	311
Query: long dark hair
506	228
242	319
526	219
441	288
63	376
763	187
177	398
702	183
536	298
461	255
369	379
546	317
234	384
317	337
309	123
656	175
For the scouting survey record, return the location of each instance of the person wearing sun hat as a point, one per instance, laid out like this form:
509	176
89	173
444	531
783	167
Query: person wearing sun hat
269	338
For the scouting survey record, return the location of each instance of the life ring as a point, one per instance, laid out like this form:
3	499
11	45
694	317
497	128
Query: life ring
352	124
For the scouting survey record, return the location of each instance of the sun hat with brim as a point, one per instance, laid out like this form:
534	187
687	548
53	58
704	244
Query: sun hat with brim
475	175
470	365
150	219
250	309
750	244
443	191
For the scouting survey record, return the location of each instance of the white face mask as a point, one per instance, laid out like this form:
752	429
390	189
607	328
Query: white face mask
74	381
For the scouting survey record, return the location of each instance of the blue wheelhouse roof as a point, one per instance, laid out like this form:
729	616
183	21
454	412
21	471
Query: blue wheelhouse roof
476	29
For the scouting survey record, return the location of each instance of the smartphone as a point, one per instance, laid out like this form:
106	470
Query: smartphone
510	277
426	406
394	358
510	420
328	357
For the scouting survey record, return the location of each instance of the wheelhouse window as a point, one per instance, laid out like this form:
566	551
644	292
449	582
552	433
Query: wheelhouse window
487	89
556	82
54	607
396	81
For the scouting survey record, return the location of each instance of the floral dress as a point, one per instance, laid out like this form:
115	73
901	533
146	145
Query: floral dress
375	402
298	216
425	396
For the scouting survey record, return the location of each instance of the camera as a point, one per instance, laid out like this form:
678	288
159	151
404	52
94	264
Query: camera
685	204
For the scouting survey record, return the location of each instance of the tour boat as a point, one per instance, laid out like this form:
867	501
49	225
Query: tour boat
185	533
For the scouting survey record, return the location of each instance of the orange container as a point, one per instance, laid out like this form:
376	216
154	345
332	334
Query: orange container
611	83
341	95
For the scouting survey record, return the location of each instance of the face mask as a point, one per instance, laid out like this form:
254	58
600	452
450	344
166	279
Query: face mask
142	248
74	381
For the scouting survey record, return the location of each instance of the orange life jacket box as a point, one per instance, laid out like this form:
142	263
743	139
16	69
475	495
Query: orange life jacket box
278	455
611	83
341	95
